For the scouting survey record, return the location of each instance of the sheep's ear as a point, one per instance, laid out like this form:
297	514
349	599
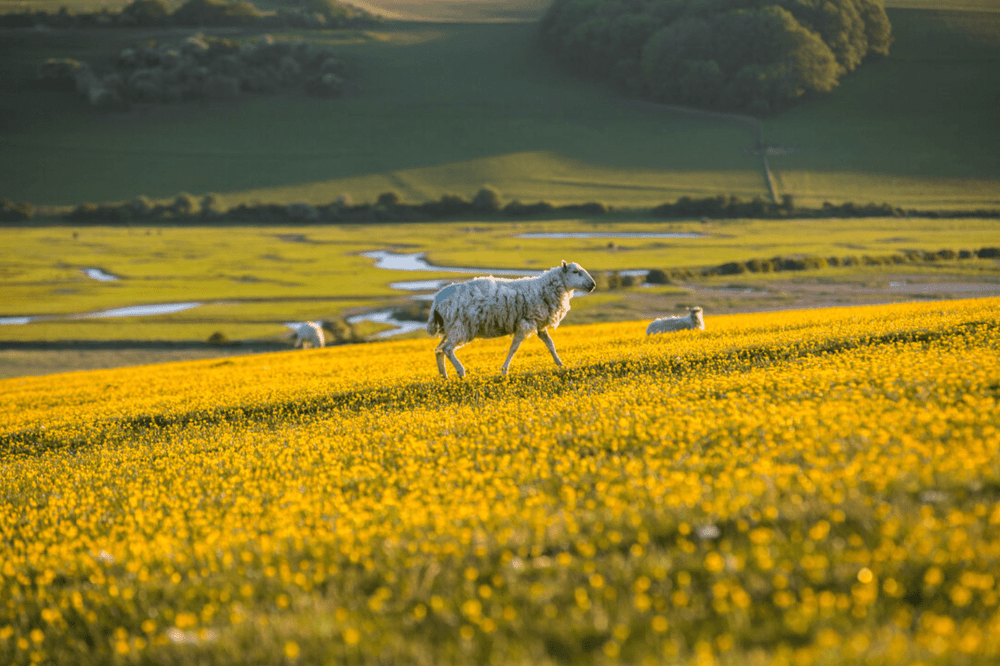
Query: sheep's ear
564	264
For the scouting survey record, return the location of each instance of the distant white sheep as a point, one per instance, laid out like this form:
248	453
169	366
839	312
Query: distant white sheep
307	333
490	307
693	320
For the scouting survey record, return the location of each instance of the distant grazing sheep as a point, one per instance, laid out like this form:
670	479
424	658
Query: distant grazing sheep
490	307
307	333
693	320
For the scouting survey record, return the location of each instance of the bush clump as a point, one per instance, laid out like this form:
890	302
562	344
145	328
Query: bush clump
202	67
811	262
16	212
308	14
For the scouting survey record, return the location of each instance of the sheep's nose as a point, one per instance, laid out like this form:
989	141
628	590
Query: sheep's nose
593	285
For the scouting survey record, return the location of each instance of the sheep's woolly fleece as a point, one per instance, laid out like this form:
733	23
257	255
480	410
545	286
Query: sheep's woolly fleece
307	333
693	320
490	307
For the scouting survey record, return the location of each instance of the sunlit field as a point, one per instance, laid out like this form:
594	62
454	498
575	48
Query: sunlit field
253	278
811	487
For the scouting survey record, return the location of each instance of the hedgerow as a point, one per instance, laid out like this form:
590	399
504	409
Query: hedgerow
388	207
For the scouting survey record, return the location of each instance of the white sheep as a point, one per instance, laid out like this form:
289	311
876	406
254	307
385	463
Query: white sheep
693	320
490	307
307	333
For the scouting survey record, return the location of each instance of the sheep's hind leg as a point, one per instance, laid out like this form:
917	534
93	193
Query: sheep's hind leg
544	336
447	348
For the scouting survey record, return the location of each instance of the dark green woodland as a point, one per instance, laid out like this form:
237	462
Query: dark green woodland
751	56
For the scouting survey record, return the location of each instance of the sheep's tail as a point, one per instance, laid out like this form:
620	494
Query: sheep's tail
435	324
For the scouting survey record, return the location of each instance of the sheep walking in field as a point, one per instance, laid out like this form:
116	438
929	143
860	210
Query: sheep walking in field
490	307
693	320
307	333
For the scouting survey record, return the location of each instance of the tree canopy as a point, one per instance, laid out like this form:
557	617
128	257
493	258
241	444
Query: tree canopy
756	56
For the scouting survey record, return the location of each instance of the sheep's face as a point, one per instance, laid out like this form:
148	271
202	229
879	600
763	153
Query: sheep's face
574	277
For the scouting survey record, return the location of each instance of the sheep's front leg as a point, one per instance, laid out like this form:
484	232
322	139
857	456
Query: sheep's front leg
544	336
519	337
446	348
439	355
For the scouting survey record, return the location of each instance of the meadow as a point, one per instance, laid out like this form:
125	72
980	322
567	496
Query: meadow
813	487
448	107
251	280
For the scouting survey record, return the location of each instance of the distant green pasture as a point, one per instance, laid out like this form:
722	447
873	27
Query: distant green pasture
449	108
441	109
252	279
916	127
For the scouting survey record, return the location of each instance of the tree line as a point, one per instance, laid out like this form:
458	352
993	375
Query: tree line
749	56
310	14
486	204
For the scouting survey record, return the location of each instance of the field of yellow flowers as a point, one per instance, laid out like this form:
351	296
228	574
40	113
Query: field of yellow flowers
813	487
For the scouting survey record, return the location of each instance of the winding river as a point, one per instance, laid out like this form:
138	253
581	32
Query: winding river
384	259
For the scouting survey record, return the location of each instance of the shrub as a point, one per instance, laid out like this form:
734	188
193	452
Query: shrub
302	212
813	263
413	311
388	200
218	338
657	276
732	268
518	209
449	205
342	332
487	200
196	13
146	12
589	208
16	212
988	253
184	205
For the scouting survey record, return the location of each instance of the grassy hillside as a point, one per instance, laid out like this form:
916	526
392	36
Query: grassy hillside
817	487
451	107
914	126
441	109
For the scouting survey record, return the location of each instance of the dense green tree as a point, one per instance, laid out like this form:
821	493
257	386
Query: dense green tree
147	12
750	55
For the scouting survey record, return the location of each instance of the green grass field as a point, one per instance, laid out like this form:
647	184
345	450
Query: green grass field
917	126
450	107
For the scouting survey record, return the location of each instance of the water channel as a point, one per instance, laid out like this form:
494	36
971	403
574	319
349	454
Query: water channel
384	259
